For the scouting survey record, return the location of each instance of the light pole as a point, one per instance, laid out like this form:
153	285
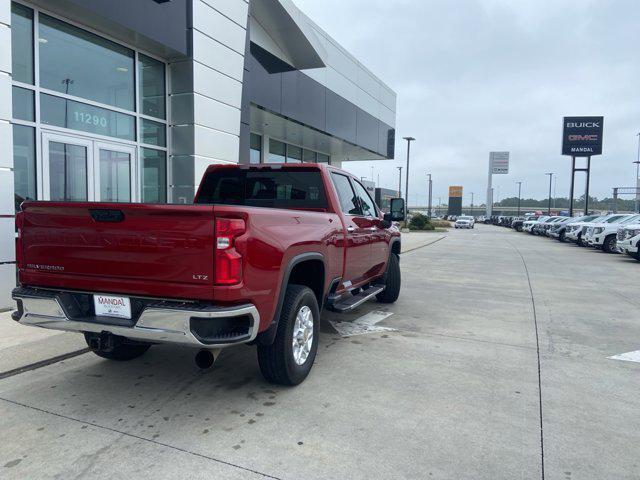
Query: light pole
399	181
472	194
519	195
406	185
637	162
550	182
430	192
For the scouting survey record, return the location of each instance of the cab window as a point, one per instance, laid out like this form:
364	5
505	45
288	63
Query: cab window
348	199
368	206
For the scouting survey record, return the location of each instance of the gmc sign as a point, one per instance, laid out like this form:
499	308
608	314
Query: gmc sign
582	136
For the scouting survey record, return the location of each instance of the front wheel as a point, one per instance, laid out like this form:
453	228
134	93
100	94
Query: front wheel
288	360
391	281
609	244
563	236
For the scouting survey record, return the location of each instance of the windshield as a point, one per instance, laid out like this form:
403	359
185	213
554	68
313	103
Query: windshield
631	219
616	219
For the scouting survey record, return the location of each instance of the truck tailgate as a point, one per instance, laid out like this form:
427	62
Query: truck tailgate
152	250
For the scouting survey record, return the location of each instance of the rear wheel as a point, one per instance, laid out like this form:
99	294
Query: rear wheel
391	281
609	244
114	347
288	360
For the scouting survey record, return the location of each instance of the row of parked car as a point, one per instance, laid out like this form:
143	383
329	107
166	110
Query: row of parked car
612	233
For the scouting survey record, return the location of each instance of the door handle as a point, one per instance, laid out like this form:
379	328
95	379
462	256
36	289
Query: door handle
373	229
351	229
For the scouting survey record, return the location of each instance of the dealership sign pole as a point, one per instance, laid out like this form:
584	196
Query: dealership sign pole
581	137
498	165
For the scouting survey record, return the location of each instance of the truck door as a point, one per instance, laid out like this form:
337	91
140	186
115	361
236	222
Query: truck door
358	233
378	235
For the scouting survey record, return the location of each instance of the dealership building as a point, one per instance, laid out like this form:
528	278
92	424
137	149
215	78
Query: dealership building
130	101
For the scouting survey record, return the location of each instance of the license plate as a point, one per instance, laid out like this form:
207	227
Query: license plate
108	306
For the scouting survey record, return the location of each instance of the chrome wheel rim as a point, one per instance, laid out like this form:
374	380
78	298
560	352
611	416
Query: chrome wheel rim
302	335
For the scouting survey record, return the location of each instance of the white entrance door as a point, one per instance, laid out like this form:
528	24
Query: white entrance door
79	169
115	172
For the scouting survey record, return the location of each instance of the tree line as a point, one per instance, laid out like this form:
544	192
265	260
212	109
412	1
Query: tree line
563	203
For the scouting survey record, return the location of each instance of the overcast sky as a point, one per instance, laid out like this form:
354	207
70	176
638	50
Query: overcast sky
474	76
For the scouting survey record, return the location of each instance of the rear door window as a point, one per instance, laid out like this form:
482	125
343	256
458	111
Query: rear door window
348	199
291	189
367	205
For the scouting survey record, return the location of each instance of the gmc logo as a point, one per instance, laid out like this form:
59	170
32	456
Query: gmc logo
583	138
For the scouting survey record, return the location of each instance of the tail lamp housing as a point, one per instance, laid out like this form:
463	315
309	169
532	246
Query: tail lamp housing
19	248
228	262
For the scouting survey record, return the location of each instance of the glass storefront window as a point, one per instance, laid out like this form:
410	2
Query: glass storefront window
152	87
87	118
277	152
153	133
22	43
67	172
294	154
322	158
154	176
255	149
23	104
309	156
24	163
85	65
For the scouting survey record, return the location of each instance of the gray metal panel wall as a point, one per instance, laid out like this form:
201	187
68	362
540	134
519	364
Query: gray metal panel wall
297	96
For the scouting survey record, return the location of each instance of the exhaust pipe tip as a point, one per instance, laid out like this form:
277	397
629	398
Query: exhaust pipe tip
205	359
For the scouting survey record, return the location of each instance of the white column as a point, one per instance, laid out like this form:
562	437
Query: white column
7	208
490	191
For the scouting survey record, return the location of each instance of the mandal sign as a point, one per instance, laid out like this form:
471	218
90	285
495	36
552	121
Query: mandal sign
582	136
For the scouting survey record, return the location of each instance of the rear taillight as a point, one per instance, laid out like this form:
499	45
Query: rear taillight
19	251
228	262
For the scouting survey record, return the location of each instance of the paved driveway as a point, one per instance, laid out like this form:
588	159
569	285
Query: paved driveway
493	364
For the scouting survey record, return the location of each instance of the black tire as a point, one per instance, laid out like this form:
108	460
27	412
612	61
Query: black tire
122	351
563	236
580	242
391	280
609	244
637	254
276	361
519	228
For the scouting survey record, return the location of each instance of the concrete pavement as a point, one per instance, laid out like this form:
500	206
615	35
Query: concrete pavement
453	393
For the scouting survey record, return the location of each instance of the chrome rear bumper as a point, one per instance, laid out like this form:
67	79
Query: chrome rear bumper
157	323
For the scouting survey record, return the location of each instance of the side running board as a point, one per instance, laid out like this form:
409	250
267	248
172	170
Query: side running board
349	303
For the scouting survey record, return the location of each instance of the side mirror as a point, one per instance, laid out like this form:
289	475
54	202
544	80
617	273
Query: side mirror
397	210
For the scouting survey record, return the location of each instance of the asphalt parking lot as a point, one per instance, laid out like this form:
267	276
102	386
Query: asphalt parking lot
493	364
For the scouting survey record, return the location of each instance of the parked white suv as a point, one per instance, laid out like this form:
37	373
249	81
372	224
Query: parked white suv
604	235
529	224
576	231
465	221
629	240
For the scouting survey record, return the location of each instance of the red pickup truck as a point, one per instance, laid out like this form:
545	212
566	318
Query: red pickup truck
254	260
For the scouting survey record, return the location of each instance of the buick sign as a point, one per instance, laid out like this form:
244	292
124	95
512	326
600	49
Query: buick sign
582	136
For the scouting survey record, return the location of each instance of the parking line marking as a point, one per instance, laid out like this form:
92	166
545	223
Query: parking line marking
363	325
627	357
